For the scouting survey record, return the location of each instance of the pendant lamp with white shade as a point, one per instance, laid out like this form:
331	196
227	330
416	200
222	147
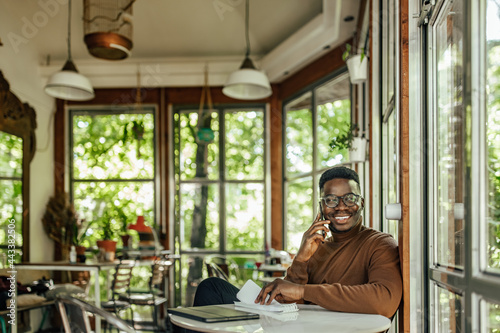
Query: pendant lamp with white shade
247	83
68	84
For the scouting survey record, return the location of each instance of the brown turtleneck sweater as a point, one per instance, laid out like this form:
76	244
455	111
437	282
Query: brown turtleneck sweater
357	271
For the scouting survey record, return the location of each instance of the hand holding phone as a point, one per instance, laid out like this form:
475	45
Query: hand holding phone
312	238
323	218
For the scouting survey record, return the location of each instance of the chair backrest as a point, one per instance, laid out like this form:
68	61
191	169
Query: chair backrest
121	278
158	274
82	280
215	270
74	315
222	267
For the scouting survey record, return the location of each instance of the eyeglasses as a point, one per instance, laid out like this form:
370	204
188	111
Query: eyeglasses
349	199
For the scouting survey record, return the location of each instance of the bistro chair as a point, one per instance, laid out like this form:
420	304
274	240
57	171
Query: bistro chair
75	316
224	268
216	270
153	296
120	286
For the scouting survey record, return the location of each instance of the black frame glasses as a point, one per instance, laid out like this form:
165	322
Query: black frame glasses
349	199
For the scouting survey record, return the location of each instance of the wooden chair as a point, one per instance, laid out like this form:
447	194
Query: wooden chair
224	268
153	297
216	270
75	316
119	287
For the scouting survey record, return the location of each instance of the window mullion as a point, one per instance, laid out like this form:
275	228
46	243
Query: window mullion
222	180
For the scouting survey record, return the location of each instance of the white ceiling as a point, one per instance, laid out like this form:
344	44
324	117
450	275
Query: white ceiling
176	40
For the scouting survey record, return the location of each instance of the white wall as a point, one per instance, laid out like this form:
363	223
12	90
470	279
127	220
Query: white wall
19	64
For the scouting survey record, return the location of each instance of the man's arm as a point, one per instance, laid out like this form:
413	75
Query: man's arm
293	291
381	294
312	238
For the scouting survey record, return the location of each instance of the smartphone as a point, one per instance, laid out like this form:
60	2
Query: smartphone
322	218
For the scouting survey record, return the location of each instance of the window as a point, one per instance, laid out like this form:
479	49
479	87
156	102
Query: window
447	181
493	134
492	161
11	199
113	167
312	120
464	162
220	163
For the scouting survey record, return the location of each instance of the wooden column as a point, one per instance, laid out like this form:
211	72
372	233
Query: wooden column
404	224
276	147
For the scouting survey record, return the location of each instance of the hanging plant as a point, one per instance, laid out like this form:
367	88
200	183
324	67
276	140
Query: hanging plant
137	134
357	62
206	135
344	140
138	130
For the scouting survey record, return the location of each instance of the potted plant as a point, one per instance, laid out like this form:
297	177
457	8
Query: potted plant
80	229
122	217
357	64
124	229
352	142
58	221
107	246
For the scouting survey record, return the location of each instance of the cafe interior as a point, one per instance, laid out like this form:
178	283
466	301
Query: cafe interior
192	135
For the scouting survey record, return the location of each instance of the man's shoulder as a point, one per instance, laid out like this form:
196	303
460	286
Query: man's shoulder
377	236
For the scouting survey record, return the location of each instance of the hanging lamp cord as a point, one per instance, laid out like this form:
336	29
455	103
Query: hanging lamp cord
69	30
247	15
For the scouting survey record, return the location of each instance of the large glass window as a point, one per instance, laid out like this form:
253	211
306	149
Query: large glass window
220	160
464	128
493	133
113	168
313	119
450	123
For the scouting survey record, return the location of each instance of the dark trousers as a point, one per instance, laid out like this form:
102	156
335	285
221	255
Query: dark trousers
211	291
215	291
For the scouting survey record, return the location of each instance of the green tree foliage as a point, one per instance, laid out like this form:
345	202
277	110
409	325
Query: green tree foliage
299	141
493	142
113	170
244	161
333	119
244	145
201	180
11	200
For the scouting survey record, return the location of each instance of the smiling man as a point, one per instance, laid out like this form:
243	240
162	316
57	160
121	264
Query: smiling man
354	270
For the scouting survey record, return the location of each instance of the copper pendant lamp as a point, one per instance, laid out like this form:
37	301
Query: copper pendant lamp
108	28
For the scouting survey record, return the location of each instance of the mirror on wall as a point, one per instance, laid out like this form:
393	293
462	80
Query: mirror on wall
17	148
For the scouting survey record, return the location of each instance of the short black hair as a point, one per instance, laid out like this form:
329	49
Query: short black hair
338	172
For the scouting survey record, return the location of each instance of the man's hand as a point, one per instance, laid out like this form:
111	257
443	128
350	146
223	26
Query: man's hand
281	290
312	238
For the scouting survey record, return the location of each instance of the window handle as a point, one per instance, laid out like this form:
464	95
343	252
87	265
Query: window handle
393	211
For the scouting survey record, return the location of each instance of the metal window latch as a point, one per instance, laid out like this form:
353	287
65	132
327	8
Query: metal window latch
423	16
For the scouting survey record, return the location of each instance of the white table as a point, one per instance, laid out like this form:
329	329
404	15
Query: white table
310	318
93	267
